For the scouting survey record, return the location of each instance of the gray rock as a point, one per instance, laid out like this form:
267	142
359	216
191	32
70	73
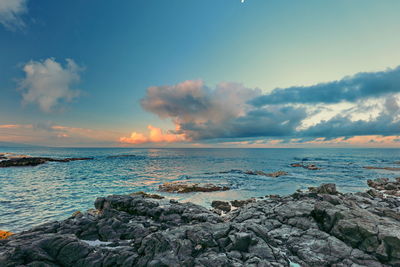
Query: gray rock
322	228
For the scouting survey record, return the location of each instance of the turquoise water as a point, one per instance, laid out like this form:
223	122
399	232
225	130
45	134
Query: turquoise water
33	195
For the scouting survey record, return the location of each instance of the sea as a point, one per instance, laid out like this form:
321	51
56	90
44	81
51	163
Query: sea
30	196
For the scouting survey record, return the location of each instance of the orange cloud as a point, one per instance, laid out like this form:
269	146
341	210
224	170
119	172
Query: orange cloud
56	135
9	126
156	135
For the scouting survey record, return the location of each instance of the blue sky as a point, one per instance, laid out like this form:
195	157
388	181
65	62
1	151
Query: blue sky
120	50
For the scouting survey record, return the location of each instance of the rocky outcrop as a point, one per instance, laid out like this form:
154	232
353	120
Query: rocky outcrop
311	167
319	228
33	161
271	174
385	187
179	187
382	168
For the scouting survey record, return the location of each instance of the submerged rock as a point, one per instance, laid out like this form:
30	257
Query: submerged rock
33	161
381	168
303	229
272	174
312	167
179	187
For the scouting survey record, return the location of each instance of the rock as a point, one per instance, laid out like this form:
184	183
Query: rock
178	187
241	203
261	173
146	195
329	189
33	161
323	228
384	186
381	168
312	167
221	205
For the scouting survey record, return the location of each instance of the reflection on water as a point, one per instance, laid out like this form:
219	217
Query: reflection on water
34	195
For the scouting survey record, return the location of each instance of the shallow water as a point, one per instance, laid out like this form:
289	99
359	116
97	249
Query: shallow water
33	195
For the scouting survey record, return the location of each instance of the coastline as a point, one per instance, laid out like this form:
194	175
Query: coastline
320	227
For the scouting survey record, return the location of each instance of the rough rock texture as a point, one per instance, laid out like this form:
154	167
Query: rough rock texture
307	229
33	161
384	186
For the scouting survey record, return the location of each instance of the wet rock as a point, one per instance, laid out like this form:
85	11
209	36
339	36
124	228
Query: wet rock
178	187
33	161
272	174
221	205
381	168
312	167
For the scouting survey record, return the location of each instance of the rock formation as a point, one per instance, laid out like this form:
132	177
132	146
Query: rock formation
318	228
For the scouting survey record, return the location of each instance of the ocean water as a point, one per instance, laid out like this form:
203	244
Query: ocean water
31	196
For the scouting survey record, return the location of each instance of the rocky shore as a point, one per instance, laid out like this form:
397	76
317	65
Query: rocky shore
320	227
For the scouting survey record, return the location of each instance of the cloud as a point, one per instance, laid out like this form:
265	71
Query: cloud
200	112
57	135
366	104
10	13
386	123
156	135
48	84
351	89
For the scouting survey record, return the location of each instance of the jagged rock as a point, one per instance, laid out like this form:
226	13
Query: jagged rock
241	203
303	229
329	189
384	186
221	205
178	187
146	195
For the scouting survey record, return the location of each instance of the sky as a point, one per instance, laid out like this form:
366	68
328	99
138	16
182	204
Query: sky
200	73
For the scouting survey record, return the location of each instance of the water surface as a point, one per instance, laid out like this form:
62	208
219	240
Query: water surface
33	195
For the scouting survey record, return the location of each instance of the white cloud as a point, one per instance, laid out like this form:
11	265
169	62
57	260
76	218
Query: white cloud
10	13
48	84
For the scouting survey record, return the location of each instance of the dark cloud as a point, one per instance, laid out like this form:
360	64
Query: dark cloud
352	88
203	113
386	123
226	111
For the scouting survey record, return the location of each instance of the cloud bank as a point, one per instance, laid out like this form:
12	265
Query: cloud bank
351	88
10	13
56	135
48	84
200	112
366	104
